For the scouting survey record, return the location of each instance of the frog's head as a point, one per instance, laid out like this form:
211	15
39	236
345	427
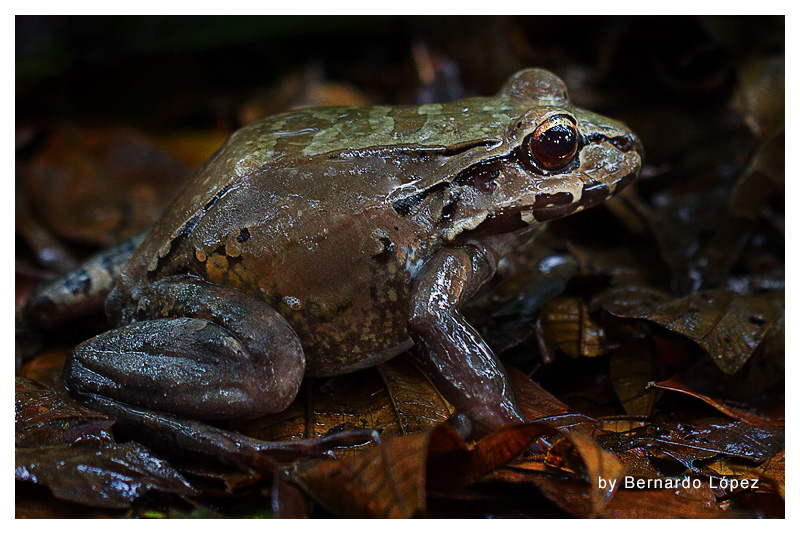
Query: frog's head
553	160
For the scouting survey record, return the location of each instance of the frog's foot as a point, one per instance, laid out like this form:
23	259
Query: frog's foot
164	431
81	291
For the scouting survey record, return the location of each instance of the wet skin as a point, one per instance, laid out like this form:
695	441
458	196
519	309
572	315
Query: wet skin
323	241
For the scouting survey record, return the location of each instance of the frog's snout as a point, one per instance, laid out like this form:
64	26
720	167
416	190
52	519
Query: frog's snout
632	143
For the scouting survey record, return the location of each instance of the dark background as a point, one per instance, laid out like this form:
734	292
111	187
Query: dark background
158	71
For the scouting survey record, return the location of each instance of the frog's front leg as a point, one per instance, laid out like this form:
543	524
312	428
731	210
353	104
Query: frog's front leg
199	350
458	360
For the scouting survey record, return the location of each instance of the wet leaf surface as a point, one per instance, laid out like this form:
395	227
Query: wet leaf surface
45	416
690	442
109	476
727	326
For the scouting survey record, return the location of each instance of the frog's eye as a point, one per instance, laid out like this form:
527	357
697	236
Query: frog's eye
554	142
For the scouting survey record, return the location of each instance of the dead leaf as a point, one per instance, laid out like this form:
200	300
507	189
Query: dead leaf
395	399
674	384
727	326
775	471
575	497
389	480
109	476
45	416
534	401
630	369
692	441
565	325
45	366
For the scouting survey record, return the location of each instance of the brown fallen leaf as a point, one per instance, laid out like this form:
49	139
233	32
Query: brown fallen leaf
389	480
576	498
630	369
564	324
770	476
395	398
45	416
694	440
727	326
775	471
108	476
581	460
674	384
534	401
600	468
45	366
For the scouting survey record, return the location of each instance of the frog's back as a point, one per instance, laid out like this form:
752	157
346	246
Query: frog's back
297	209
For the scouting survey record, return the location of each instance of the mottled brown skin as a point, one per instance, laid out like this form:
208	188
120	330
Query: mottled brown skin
323	241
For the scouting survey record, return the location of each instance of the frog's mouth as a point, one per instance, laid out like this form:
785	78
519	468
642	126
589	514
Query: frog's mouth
547	207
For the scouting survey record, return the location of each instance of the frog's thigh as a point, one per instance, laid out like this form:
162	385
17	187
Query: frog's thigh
207	352
458	360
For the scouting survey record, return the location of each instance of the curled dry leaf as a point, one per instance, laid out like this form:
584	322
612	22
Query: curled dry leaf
575	464
740	414
600	468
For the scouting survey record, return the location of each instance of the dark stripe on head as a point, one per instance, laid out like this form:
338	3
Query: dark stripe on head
623	143
593	194
552	206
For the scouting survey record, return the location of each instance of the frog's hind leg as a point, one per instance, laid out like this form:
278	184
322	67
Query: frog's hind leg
82	290
201	350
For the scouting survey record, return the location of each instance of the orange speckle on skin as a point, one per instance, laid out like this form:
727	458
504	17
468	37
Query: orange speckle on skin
217	268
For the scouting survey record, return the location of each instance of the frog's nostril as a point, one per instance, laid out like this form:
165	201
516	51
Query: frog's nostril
624	143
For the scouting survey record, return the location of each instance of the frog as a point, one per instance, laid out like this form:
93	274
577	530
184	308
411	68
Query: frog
323	241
